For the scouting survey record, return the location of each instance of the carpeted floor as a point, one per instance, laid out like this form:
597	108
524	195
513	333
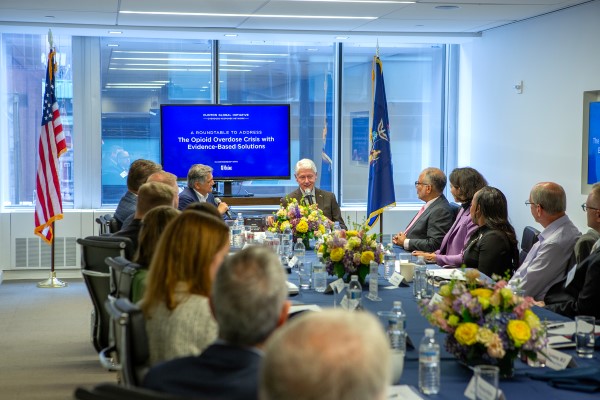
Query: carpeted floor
45	348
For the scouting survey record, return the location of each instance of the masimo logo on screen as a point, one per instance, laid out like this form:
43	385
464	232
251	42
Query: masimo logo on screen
240	142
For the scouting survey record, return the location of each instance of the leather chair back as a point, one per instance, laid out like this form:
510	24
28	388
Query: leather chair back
122	272
529	238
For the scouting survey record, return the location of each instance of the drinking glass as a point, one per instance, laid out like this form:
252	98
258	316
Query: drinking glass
304	274
584	335
486	382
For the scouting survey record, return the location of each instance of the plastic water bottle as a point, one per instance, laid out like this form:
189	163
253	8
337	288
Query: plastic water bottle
420	278
389	263
429	364
286	242
355	291
397	327
319	277
336	226
299	251
237	233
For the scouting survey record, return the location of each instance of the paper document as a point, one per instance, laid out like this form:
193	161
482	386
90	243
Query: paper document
566	328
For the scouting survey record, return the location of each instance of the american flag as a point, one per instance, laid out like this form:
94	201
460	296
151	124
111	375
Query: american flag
52	145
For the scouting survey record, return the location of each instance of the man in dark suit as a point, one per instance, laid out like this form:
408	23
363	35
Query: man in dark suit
306	176
428	228
249	301
199	189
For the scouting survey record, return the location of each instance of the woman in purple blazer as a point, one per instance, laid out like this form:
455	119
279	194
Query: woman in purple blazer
464	183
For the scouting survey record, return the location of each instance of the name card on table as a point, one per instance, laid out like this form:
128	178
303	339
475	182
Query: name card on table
293	261
486	391
396	279
557	360
338	285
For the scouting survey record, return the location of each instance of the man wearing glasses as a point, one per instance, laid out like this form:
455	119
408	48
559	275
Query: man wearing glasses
547	261
428	228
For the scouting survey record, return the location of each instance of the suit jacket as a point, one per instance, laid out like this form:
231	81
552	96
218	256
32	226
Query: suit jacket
222	371
491	252
581	296
132	231
326	202
427	232
188	196
125	208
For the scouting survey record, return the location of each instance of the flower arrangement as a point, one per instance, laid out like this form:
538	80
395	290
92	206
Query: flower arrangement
349	252
306	221
486	323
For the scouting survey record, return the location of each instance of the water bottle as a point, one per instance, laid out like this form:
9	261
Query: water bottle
420	278
286	242
240	220
299	251
319	277
336	226
237	233
389	263
429	364
355	292
397	327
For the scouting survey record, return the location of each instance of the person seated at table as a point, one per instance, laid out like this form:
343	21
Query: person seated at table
464	182
331	354
493	247
428	228
199	189
249	301
547	261
139	171
150	195
307	193
175	303
153	224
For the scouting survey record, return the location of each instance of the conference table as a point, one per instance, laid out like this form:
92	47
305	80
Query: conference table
454	376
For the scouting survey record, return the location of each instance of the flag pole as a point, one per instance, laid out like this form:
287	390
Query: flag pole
52	281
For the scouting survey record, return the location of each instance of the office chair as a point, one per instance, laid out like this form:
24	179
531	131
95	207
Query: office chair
529	238
129	347
96	275
122	272
103	222
113	225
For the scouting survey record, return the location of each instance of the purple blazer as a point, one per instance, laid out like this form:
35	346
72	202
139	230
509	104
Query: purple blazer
453	244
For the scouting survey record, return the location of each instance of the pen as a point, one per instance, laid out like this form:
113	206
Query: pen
556	326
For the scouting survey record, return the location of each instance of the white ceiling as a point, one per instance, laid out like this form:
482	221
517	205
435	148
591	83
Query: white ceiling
255	18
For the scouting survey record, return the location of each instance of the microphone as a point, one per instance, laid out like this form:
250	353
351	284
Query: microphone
219	201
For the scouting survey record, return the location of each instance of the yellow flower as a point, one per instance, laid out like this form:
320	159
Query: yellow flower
366	257
321	249
484	336
445	290
466	333
302	226
482	292
518	331
532	320
453	320
352	243
337	254
350	234
506	294
284	224
322	228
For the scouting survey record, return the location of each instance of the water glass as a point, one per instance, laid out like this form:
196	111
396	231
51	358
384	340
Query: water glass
304	274
319	278
584	335
486	382
419	281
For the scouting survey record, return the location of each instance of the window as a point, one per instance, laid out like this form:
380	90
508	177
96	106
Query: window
22	76
414	77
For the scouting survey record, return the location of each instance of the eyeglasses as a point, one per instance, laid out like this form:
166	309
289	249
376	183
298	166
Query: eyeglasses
585	208
529	203
417	183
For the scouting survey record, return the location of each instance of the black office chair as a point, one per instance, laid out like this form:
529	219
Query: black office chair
103	222
114	225
122	272
113	391
128	352
529	238
96	275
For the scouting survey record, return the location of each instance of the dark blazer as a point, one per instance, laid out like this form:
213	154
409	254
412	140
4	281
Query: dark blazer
491	252
222	372
326	202
132	231
429	230
581	296
188	196
125	208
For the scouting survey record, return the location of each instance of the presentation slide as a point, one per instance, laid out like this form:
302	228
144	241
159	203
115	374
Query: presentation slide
594	143
238	141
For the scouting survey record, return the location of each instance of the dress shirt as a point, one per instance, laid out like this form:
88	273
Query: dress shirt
201	197
547	260
421	211
453	246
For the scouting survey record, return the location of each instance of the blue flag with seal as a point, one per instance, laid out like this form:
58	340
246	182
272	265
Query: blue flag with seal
381	192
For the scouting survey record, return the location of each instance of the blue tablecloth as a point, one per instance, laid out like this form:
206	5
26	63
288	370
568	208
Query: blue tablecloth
454	376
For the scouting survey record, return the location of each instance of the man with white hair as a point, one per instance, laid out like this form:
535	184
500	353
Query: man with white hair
329	355
306	176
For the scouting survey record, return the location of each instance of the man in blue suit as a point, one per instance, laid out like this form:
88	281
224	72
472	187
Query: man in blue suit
249	301
199	189
428	228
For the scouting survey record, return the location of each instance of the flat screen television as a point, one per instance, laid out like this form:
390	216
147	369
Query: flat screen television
240	142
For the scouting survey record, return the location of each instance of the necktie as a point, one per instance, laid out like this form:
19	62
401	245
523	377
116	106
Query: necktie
310	198
414	219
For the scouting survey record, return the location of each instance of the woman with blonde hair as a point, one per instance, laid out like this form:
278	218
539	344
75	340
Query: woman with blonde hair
153	224
175	304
